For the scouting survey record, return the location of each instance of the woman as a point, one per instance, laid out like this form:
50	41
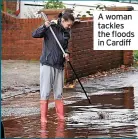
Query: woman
52	62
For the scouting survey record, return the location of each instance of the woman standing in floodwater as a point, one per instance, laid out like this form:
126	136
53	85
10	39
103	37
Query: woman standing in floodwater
52	62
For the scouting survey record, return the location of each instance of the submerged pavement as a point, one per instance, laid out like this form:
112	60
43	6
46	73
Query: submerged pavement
113	112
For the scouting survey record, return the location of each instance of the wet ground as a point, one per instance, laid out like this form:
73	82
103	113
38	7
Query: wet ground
113	112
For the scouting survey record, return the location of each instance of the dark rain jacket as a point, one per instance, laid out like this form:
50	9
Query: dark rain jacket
51	52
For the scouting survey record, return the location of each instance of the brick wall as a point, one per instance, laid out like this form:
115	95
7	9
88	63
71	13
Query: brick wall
17	43
84	59
128	58
11	5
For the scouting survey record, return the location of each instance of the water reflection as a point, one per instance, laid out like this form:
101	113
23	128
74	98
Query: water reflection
60	133
119	119
129	97
44	131
111	99
117	110
47	132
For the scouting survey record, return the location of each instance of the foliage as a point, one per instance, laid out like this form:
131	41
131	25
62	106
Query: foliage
136	55
10	11
54	4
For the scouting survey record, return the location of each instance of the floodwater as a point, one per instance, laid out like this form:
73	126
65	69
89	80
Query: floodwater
113	112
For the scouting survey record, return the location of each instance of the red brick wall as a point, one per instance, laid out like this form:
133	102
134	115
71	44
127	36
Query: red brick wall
84	59
17	43
128	58
11	5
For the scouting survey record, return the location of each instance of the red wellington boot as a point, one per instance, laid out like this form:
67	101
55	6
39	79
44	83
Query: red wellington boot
59	105
44	110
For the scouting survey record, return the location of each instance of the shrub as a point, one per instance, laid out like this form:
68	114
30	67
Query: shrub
136	55
54	4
